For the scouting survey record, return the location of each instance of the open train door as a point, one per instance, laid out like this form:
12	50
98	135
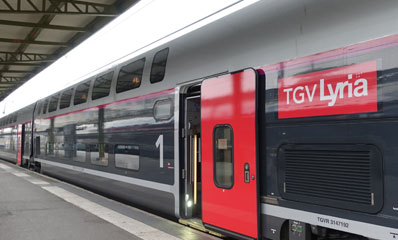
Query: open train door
229	166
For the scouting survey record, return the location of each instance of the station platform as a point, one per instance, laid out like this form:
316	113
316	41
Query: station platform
37	207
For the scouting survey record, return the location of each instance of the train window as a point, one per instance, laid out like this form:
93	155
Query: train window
102	86
53	103
163	110
130	76
81	93
223	157
51	147
159	65
37	146
45	106
14	118
9	120
39	105
81	152
99	154
127	156
65	98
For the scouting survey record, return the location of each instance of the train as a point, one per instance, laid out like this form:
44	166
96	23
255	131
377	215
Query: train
277	121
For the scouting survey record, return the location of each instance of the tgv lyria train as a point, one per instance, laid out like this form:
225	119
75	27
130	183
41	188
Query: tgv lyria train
278	121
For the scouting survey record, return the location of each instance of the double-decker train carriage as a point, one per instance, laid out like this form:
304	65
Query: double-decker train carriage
274	122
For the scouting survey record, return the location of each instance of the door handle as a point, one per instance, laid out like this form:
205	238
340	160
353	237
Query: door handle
247	173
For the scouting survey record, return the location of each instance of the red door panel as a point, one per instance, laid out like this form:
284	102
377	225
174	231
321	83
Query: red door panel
229	100
19	144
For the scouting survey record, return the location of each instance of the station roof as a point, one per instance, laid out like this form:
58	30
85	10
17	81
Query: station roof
35	33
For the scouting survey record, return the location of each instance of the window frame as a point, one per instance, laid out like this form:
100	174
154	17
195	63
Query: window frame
120	71
151	80
232	158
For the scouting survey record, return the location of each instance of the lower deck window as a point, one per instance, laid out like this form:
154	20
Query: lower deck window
80	154
127	156
99	154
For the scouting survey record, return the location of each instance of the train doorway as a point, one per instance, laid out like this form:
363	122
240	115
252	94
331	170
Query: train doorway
192	158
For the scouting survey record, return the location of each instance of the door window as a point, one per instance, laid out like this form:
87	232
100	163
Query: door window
223	156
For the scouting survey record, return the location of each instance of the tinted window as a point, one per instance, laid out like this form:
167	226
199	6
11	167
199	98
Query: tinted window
162	109
159	65
65	98
223	156
130	76
99	154
53	103
80	152
127	156
14	118
102	86
81	93
40	104
45	106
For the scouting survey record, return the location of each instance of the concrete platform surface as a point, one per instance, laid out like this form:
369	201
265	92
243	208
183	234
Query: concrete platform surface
36	207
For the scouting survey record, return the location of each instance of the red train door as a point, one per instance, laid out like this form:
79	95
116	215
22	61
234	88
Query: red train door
19	144
229	169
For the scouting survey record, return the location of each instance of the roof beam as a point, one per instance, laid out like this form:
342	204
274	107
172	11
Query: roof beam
28	64
44	26
8	79
8	85
19	41
52	7
8	58
14	71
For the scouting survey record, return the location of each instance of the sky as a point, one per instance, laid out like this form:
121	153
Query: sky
133	32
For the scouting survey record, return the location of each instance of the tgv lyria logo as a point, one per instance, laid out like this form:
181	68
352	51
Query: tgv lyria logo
302	93
344	90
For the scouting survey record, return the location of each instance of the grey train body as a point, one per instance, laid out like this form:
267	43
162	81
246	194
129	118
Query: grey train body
133	123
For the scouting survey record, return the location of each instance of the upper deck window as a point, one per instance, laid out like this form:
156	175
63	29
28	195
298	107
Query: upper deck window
102	86
53	103
159	65
65	98
14	118
45	106
81	93
39	105
130	76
